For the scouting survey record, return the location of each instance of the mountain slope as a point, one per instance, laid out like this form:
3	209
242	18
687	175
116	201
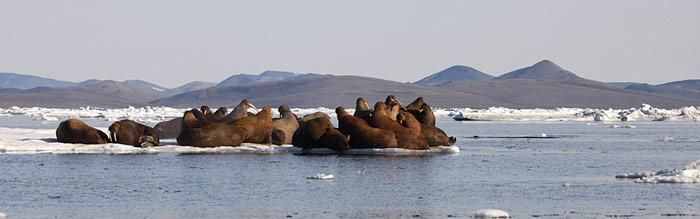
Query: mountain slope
685	88
543	70
454	73
22	81
192	86
242	79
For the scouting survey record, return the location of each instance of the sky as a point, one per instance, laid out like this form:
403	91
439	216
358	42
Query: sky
173	42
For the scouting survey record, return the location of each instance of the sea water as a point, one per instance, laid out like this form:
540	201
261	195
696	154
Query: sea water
572	174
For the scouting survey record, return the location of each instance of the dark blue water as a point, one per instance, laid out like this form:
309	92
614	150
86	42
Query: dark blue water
524	177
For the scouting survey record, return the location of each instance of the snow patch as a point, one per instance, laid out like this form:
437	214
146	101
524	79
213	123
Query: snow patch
157	89
321	176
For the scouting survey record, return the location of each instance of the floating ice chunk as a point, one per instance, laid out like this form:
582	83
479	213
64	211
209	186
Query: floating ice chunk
688	174
3	215
491	213
623	126
388	151
321	176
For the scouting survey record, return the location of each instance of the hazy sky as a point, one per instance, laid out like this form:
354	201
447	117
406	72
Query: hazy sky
172	42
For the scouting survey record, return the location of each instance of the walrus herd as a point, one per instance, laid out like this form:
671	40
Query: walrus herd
388	124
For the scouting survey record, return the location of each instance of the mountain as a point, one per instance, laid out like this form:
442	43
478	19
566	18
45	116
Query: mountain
100	93
454	73
685	88
623	85
543	70
320	90
192	86
241	79
21	81
332	91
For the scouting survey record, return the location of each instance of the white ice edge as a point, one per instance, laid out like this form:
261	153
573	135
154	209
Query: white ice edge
37	141
152	115
690	173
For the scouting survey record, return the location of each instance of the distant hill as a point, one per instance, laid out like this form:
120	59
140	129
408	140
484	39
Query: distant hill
21	81
101	93
192	86
322	90
454	73
242	79
543	70
685	88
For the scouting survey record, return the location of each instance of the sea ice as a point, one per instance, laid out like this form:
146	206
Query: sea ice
321	176
688	174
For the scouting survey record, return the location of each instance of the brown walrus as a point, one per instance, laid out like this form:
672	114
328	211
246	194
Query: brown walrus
362	135
362	109
422	111
169	129
405	137
317	132
239	111
200	132
76	131
433	135
132	133
285	126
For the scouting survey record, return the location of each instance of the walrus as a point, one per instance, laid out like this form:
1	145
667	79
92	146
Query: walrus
319	133
240	111
433	135
362	109
169	129
362	135
405	137
206	111
422	111
133	133
198	132
284	127
315	115
220	114
77	132
393	99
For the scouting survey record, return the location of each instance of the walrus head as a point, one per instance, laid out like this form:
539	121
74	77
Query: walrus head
286	112
391	99
340	111
206	110
380	109
416	105
220	113
361	104
247	103
192	118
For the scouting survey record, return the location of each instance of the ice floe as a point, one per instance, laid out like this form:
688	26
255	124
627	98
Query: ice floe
154	114
42	141
491	213
321	176
688	174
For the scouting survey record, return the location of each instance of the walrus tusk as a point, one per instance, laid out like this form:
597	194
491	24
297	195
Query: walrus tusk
253	106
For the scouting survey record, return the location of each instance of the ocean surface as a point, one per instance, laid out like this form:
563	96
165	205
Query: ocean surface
569	176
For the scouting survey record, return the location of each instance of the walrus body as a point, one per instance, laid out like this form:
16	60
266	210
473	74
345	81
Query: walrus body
362	135
132	133
405	137
77	132
284	127
198	131
169	129
317	132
